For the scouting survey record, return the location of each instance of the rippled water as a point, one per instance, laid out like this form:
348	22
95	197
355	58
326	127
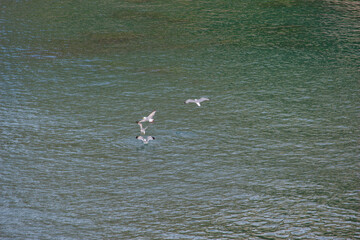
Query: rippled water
273	154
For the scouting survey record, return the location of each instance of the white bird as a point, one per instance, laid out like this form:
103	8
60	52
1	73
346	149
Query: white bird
197	101
149	118
142	129
145	140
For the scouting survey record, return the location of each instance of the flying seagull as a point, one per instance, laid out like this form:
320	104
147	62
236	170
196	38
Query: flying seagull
149	118
142	129
197	101
145	140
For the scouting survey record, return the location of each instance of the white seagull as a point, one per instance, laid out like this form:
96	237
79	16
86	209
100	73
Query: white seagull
197	101
145	140
142	129
149	118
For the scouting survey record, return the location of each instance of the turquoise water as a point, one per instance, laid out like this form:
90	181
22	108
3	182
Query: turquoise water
273	154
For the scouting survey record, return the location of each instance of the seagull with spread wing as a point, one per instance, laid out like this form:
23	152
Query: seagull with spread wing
197	101
149	118
145	140
142	129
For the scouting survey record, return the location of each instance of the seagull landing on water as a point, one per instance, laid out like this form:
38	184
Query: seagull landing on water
149	118
142	129
197	101
145	140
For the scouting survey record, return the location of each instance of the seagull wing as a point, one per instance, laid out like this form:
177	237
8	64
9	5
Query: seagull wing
152	114
140	138
203	99
150	138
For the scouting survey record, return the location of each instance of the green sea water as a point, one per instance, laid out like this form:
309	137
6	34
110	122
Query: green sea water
274	154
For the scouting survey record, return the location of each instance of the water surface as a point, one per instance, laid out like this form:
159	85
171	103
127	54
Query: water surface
273	154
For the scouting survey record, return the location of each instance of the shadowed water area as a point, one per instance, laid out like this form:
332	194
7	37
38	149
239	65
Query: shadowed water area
274	154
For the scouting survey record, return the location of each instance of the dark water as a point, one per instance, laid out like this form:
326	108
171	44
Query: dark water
274	154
